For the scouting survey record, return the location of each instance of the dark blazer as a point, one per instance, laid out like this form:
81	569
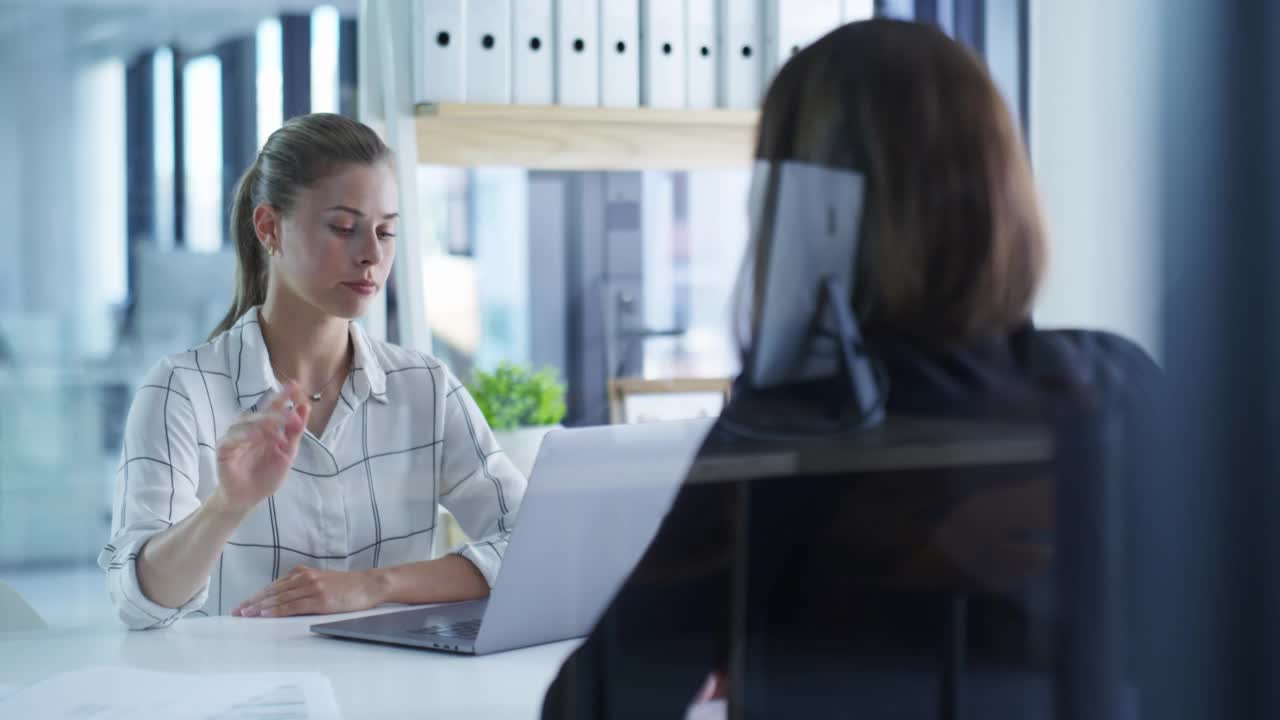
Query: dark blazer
852	561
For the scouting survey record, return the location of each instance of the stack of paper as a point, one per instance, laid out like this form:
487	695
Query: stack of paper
119	693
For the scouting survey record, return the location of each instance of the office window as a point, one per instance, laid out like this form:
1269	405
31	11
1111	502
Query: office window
695	232
270	79
324	59
513	271
102	190
454	305
163	152
898	9
1005	51
859	9
202	152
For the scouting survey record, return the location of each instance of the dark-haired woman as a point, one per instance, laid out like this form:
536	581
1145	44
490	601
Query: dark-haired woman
950	256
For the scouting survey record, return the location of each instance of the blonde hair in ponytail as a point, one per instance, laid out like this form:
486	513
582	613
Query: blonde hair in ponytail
251	265
304	150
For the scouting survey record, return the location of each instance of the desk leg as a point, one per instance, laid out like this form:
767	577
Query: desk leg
740	637
753	693
952	656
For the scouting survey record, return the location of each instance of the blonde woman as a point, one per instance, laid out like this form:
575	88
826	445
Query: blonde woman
293	465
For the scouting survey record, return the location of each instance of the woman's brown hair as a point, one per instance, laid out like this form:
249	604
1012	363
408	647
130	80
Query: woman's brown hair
952	244
304	150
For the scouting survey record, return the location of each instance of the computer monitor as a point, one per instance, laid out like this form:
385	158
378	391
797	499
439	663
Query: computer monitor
808	219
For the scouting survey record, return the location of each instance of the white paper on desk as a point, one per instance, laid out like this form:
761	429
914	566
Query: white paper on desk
125	694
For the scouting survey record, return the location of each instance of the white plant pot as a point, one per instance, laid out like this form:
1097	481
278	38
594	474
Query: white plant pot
521	445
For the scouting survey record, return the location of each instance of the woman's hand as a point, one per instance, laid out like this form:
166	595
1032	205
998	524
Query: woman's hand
308	591
715	687
255	454
711	702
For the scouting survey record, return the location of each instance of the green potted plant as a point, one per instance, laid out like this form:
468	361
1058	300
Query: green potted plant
521	406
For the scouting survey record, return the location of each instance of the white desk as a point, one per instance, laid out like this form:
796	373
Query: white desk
370	681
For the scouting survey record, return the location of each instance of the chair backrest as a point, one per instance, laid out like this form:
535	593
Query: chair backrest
16	614
927	528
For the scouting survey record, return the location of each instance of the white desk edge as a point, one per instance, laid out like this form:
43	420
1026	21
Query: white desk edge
369	680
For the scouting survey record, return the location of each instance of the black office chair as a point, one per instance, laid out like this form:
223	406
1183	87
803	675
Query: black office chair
903	617
905	649
1043	540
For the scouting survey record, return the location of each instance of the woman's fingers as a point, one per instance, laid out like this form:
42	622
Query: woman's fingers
283	406
278	586
293	407
299	575
283	418
256	451
289	397
309	591
239	609
266	418
257	427
286	596
310	605
254	607
295	427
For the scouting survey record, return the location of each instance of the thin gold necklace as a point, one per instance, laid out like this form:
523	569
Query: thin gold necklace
319	393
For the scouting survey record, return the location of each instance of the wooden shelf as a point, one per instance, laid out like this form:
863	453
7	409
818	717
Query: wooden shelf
584	138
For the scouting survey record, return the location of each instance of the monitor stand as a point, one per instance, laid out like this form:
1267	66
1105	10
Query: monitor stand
867	393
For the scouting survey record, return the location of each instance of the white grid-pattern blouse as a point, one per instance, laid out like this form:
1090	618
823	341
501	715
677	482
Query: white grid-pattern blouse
404	437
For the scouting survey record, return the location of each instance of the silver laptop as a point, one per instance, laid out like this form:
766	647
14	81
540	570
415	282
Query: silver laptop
595	499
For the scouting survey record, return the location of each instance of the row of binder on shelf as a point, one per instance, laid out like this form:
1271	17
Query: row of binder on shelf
614	53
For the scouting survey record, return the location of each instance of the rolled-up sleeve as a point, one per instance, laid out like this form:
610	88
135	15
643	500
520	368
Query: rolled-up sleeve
155	488
480	485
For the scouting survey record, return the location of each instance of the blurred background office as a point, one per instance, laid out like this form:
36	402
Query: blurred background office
125	124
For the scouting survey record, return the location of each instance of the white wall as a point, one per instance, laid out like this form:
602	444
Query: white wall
1002	50
101	202
40	235
1094	129
62	196
11	284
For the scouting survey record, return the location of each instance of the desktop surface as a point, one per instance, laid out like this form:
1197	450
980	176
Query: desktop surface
900	443
369	680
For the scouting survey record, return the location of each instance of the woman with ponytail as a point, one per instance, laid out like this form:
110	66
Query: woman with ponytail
292	464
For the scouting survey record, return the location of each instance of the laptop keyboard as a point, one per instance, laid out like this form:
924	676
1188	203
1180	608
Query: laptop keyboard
469	630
